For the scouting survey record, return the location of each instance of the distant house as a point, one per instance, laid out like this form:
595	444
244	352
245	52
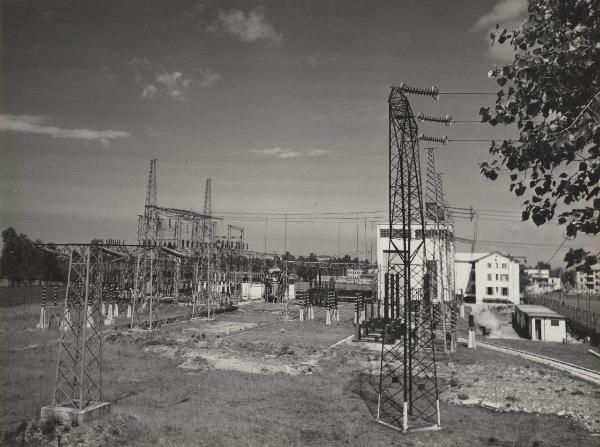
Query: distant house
539	323
487	278
541	282
588	282
354	272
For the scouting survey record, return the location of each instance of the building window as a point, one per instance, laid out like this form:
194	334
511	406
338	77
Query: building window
398	233
553	322
489	265
489	276
489	290
504	291
497	277
504	266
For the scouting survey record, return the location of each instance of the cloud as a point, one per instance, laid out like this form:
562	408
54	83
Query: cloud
509	14
249	27
208	78
286	153
36	125
506	11
149	91
154	79
174	83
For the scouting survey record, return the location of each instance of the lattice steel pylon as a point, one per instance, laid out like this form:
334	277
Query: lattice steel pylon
408	395
439	254
148	223
78	381
203	303
146	280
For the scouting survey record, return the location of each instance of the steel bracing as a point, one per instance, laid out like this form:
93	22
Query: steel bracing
408	395
440	255
97	273
78	380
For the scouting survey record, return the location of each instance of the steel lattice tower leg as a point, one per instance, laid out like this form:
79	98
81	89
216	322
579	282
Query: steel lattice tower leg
408	396
78	381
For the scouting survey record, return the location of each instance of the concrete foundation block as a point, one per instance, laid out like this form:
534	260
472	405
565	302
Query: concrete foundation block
68	415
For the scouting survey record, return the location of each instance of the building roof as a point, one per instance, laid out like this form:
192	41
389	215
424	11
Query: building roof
474	257
534	310
468	257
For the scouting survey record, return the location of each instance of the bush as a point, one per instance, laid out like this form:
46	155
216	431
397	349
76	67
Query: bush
48	426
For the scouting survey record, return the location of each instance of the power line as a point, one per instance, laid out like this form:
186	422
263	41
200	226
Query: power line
557	250
467	93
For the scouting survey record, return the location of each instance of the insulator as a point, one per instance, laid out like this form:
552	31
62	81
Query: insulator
433	91
446	119
443	140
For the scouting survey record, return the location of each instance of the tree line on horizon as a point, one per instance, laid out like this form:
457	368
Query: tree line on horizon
22	263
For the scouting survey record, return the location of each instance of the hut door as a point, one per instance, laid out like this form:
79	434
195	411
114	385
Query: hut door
538	329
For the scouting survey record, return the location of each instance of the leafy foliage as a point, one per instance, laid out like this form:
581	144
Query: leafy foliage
551	92
21	261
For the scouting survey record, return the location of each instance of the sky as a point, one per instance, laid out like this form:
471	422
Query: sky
283	104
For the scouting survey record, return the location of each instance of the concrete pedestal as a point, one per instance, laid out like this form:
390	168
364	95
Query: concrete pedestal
68	415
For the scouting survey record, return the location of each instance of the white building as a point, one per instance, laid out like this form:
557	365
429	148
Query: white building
354	272
588	282
487	278
541	282
539	323
435	261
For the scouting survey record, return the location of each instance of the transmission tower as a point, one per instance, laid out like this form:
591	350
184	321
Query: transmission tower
449	302
78	380
203	305
148	223
440	254
147	274
408	396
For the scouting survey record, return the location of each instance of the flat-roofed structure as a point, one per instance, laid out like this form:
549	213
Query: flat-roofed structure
539	323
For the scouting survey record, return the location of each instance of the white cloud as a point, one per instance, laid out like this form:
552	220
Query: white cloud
509	14
149	91
35	124
208	78
174	84
249	27
506	11
286	153
154	79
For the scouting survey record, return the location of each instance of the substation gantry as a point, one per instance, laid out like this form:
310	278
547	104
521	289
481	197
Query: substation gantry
78	380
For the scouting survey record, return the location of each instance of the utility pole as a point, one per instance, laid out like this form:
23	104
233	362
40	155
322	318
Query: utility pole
285	236
357	235
266	220
366	252
339	228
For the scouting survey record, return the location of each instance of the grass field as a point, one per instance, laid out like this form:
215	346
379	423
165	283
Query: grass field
191	384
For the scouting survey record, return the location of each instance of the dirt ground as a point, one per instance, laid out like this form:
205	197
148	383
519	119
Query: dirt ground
250	378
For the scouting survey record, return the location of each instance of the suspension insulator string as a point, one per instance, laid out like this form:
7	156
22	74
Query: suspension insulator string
443	139
446	119
433	91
